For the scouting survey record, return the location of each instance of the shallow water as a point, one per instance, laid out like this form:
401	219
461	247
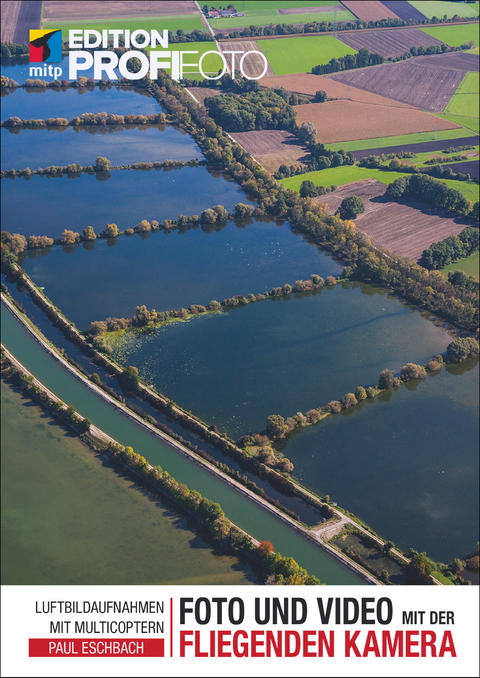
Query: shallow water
68	517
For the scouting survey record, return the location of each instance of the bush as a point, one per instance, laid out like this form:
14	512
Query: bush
351	207
412	371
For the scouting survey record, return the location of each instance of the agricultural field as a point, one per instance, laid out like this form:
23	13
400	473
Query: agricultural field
465	100
90	10
404	10
423	142
474	50
389	43
347	174
469	265
404	229
253	64
471	124
18	18
429	8
273	13
454	35
369	11
466	167
272	148
298	55
415	82
201	93
210	65
187	24
338	121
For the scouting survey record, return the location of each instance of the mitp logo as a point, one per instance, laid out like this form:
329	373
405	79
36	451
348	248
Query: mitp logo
45	45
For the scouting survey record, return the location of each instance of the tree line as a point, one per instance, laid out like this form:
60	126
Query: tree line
252	111
427	189
88	119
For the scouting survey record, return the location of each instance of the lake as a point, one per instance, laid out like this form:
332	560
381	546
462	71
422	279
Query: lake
280	356
405	462
20	72
122	145
46	205
68	517
177	269
43	103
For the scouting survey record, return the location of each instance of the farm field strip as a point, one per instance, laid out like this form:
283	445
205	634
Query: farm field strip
17	20
272	148
469	265
253	64
369	11
471	124
338	121
299	55
423	87
430	8
266	17
159	23
458	137
465	100
423	150
389	43
347	174
404	10
63	10
454	35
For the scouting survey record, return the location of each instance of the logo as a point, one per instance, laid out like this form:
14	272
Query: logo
45	45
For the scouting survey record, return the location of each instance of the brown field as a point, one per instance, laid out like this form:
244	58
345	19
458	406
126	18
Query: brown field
405	230
452	61
253	64
201	93
389	43
89	10
306	83
428	88
369	11
272	148
351	120
18	18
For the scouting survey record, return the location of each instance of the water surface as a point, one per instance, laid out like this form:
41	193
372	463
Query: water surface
121	144
46	205
177	269
20	72
405	462
280	356
68	517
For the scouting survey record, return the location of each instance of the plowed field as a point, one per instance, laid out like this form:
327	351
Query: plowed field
424	87
272	148
389	43
404	10
369	11
338	121
307	83
454	61
467	167
201	93
253	64
18	18
89	10
405	229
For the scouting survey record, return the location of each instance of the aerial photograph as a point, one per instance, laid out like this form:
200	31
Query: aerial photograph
239	332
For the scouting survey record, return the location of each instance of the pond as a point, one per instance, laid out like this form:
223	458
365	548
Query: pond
68	517
122	144
405	462
280	356
46	205
43	103
178	269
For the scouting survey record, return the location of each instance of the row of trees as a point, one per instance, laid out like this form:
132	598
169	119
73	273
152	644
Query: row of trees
88	119
450	250
361	59
428	189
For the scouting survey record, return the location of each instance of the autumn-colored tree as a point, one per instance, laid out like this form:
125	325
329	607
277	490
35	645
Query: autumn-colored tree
360	393
143	226
16	242
102	164
275	426
385	379
412	371
69	237
264	547
89	233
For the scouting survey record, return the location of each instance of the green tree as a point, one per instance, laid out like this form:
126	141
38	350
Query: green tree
351	207
275	426
385	379
320	96
129	379
308	189
84	425
462	348
360	393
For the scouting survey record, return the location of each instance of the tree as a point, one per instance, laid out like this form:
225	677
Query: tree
143	226
360	393
220	528
129	379
89	233
308	189
102	164
307	132
69	237
387	547
264	548
351	207
16	242
320	96
84	425
461	349
111	231
275	426
385	379
412	371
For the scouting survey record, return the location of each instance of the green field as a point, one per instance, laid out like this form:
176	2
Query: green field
270	15
402	140
255	5
299	55
339	176
171	23
465	100
469	265
469	123
430	8
474	50
454	35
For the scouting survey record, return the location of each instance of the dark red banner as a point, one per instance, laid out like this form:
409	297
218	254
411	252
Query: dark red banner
100	647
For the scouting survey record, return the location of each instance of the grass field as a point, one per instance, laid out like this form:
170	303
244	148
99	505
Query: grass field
465	100
170	23
270	16
430	9
339	176
474	50
299	55
469	265
454	35
469	123
255	5
383	142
